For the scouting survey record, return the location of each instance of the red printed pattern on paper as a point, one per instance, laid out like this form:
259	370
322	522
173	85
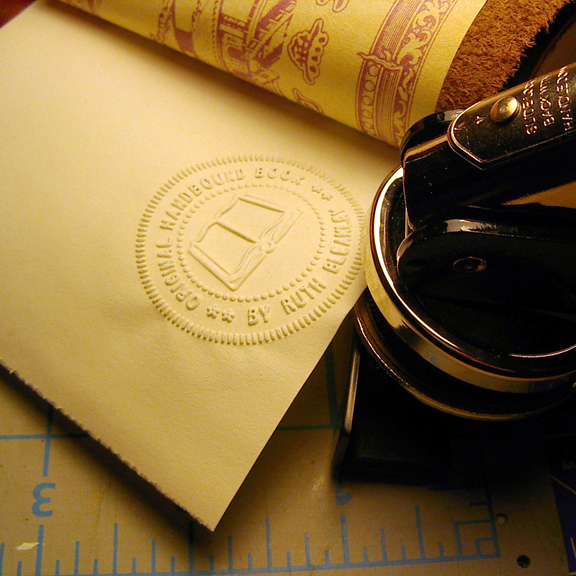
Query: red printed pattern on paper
390	70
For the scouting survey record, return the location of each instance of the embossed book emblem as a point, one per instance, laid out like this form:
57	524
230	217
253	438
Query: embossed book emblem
240	236
247	250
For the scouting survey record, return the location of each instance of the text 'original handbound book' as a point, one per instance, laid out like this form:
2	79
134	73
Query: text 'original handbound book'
179	246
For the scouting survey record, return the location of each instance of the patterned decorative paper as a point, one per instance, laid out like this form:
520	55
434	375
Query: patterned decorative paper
377	66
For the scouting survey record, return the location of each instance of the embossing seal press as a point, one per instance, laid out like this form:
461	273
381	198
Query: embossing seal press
470	262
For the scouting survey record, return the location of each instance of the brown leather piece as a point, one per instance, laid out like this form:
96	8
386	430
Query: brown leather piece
497	46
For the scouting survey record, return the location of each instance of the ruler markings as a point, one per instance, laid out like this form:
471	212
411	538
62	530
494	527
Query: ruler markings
42	436
420	532
269	568
307	550
268	544
39	550
48	442
344	533
230	555
342	497
191	549
115	551
288	568
383	546
479	544
403	551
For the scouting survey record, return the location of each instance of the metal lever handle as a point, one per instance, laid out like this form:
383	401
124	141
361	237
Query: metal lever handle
513	145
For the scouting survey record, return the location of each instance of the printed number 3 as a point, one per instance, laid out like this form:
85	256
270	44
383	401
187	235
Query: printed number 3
40	500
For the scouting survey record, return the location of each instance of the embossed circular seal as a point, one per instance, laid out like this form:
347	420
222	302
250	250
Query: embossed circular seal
248	249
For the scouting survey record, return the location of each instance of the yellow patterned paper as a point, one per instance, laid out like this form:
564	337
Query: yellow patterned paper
376	65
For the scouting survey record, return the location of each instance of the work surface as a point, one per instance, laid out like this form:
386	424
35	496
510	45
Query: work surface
68	508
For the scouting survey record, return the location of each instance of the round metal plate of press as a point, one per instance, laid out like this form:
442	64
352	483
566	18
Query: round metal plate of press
423	330
436	388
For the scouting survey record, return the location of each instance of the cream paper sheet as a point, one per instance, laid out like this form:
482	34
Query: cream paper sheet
376	65
178	246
